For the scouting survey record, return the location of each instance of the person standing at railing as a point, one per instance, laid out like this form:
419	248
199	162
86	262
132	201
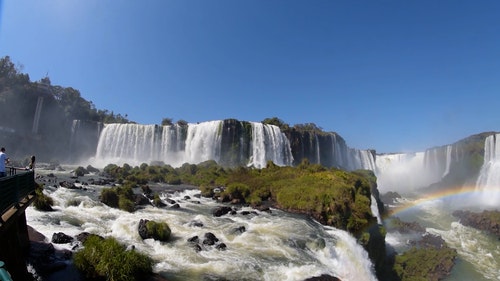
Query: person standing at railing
3	160
32	163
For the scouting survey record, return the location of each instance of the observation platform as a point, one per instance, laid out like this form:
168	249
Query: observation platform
17	193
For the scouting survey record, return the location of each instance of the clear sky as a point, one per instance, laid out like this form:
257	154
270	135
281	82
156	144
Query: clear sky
389	75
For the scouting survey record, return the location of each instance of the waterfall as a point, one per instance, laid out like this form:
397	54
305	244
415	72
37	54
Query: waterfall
126	143
488	181
348	158
449	149
171	148
135	144
269	144
318	156
203	142
404	171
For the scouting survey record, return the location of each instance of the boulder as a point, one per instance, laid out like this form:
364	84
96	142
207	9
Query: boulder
157	230
141	200
220	211
61	238
210	239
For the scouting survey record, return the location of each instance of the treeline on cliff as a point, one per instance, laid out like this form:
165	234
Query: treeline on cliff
19	97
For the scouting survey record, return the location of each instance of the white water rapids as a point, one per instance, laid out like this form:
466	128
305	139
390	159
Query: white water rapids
274	246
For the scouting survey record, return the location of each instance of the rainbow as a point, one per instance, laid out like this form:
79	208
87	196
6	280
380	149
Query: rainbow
468	196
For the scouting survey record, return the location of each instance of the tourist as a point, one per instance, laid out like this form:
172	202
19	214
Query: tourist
32	163
3	160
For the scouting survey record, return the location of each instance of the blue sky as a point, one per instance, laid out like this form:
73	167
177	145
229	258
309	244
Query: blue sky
388	75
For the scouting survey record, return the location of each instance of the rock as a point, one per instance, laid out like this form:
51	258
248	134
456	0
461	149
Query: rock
45	259
221	247
142	229
68	185
194	242
91	169
488	221
61	238
82	237
141	200
158	230
400	226
210	239
238	230
194	239
196	224
323	277
390	197
220	211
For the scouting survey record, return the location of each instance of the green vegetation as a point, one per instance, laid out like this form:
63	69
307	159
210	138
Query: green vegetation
424	264
61	105
42	202
106	259
119	197
158	230
334	197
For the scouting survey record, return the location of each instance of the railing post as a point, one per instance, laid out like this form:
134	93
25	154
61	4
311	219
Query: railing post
4	274
17	192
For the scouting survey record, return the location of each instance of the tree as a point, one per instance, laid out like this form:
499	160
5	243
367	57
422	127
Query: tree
166	122
182	123
277	122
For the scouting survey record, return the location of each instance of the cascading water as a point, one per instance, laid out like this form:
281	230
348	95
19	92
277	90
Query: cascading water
449	150
261	246
408	172
127	143
269	143
203	142
135	144
488	182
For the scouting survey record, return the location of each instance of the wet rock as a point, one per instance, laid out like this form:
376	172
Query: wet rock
142	229
67	184
61	238
221	247
220	211
196	224
194	239
488	221
210	239
238	230
83	236
141	200
323	277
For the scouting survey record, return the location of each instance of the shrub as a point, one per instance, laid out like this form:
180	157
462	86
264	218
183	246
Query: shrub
424	263
42	202
119	197
157	200
109	197
126	204
158	230
80	171
109	260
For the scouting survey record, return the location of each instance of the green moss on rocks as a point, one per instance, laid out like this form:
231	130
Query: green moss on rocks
106	259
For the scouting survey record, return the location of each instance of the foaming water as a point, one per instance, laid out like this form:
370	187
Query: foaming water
478	252
273	246
474	246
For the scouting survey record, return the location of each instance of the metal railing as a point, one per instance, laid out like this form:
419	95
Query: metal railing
15	187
